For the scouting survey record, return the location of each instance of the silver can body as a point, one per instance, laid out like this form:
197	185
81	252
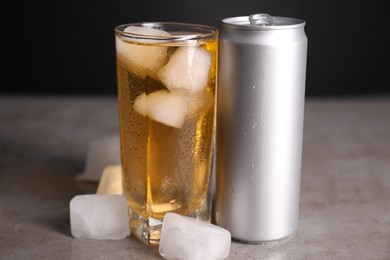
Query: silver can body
260	113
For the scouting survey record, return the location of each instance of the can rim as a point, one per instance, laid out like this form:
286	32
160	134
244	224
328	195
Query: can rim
280	23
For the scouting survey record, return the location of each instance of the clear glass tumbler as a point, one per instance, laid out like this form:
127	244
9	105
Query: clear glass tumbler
166	79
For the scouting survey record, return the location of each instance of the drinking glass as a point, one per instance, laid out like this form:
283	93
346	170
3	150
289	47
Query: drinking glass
166	80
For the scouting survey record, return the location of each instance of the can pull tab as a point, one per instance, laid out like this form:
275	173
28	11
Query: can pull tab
261	19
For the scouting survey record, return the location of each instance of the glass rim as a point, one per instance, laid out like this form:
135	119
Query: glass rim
193	31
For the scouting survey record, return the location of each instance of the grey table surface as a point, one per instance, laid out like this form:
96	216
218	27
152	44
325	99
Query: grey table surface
345	186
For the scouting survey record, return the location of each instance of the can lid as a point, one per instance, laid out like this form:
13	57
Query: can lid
263	22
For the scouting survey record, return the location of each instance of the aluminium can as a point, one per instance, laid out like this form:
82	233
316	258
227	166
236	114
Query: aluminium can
260	113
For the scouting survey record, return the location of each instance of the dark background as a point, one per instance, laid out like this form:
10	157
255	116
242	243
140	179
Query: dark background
67	47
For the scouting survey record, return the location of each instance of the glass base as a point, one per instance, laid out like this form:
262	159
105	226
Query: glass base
148	230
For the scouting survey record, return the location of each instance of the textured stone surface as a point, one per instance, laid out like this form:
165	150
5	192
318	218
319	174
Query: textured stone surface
345	193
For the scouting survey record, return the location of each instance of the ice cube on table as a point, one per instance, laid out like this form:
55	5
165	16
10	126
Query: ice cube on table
187	238
100	153
111	181
187	68
99	217
163	106
141	58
